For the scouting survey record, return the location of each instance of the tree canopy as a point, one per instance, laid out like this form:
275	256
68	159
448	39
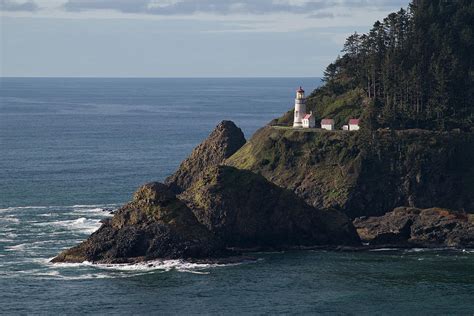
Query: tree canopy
414	69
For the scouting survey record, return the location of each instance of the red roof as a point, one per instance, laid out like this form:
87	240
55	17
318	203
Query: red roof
354	122
300	90
327	121
307	116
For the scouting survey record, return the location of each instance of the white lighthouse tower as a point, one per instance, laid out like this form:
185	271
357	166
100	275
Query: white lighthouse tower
300	108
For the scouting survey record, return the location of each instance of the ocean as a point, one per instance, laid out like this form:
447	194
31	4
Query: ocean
70	148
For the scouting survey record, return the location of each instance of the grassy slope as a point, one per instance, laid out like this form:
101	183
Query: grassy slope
327	105
362	173
318	162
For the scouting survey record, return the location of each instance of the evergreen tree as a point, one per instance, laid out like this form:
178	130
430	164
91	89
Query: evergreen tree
416	67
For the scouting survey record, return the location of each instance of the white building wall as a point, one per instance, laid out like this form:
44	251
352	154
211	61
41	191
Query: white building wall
300	112
329	127
309	123
353	127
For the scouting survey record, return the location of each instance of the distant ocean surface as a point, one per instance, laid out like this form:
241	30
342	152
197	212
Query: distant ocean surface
71	147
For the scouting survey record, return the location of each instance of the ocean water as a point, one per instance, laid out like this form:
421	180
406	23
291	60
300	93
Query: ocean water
70	148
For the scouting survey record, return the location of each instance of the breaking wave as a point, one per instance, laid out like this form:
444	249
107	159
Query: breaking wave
82	224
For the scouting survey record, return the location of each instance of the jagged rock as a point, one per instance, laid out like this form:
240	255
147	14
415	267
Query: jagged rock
154	225
245	210
414	227
224	141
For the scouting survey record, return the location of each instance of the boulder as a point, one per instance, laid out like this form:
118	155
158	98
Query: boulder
414	227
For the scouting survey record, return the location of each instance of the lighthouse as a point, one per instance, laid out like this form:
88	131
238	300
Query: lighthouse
300	108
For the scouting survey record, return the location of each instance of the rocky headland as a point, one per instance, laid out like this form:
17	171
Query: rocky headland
286	189
207	210
403	177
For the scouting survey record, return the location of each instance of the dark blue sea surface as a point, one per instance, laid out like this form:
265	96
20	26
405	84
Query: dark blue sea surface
71	147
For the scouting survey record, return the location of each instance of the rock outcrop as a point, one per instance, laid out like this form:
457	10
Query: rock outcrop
226	208
219	208
246	211
224	141
365	174
413	227
154	225
288	189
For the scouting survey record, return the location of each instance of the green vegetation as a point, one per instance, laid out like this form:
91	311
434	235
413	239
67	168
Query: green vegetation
365	173
318	162
412	70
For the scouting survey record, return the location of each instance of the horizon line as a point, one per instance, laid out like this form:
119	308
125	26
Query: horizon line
133	77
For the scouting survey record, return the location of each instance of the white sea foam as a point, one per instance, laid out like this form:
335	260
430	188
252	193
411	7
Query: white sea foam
8	236
48	215
418	249
19	247
56	275
385	249
31	245
94	205
16	208
81	224
91	212
10	219
148	266
81	206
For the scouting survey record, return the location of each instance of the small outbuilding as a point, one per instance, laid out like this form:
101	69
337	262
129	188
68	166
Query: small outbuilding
309	121
345	127
354	124
327	124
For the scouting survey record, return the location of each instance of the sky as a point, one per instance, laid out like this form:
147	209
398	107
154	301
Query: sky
179	38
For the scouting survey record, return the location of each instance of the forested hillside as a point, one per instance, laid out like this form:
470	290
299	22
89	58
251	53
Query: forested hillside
414	69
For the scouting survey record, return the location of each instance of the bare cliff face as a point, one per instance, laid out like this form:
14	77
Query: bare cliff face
365	174
224	141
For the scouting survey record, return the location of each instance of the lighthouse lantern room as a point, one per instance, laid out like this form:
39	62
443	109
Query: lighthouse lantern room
300	108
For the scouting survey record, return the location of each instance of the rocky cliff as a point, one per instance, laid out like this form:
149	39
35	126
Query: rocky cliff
289	188
155	224
220	207
247	211
224	141
413	227
365	174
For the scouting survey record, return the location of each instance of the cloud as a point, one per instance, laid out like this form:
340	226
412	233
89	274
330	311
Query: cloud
185	7
12	5
321	15
224	7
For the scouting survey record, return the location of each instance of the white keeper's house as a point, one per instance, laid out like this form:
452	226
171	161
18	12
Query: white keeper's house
354	124
309	121
327	124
